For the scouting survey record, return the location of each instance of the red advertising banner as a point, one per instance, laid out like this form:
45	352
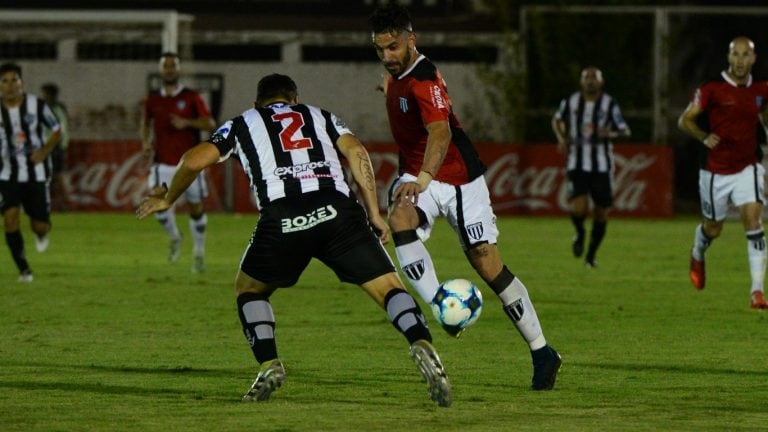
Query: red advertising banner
523	180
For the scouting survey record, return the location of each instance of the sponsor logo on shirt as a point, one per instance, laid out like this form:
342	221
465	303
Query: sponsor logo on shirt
300	168
311	219
437	97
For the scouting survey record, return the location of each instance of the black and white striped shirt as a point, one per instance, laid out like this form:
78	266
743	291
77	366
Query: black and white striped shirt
285	150
22	130
582	118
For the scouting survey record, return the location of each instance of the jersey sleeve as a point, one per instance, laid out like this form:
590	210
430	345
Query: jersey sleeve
49	118
560	113
224	139
617	117
701	97
432	101
200	106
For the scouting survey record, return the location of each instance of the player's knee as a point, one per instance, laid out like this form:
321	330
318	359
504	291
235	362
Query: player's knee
403	217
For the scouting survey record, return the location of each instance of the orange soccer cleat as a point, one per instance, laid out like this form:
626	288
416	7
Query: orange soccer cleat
758	301
697	273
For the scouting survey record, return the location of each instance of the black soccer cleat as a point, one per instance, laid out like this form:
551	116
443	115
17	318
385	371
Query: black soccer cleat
546	364
578	245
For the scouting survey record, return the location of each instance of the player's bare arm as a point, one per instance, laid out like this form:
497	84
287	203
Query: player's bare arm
362	172
687	124
192	162
202	123
39	155
558	127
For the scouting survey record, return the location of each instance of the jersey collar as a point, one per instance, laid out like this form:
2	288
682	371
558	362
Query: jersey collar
730	81
407	71
178	90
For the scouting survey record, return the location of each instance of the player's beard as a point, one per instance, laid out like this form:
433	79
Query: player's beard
171	81
401	65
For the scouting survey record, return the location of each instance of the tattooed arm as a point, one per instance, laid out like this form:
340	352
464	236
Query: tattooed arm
362	172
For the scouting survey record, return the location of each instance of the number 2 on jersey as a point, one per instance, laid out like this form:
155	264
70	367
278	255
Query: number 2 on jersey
292	127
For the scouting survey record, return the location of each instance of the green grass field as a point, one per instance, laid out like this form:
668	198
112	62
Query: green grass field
109	336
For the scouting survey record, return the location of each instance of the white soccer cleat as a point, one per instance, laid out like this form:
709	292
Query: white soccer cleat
26	276
270	378
198	264
426	358
174	250
41	243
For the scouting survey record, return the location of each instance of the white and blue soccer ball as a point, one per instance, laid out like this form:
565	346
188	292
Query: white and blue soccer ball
457	305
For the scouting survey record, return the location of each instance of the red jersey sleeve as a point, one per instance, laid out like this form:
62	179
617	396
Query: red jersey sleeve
701	97
200	106
432	100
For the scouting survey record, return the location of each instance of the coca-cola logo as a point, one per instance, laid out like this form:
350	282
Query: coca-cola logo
115	185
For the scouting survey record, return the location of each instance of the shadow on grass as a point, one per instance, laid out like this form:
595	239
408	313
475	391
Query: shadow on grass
176	370
684	369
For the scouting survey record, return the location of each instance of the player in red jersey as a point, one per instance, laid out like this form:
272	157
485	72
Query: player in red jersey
442	175
176	115
731	170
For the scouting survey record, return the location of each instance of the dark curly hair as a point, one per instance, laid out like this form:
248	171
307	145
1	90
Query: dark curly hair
275	85
392	18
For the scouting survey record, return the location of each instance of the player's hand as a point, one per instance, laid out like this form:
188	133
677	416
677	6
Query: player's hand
37	155
407	192
179	122
711	141
153	203
380	227
562	147
382	87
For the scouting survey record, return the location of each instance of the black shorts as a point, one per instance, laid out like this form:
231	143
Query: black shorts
598	185
35	197
324	225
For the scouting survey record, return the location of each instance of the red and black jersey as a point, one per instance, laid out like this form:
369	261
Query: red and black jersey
415	99
172	143
733	114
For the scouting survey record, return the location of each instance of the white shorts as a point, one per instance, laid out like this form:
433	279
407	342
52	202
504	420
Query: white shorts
718	190
161	173
467	209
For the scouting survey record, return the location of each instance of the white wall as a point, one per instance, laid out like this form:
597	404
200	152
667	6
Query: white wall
103	97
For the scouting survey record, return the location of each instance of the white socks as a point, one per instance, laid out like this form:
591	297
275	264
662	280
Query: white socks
519	308
167	220
757	258
700	243
418	268
197	230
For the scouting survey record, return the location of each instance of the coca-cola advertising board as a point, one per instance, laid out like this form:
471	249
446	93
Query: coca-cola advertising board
522	179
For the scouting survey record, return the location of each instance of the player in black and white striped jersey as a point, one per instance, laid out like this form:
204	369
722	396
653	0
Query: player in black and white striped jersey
292	155
25	164
584	124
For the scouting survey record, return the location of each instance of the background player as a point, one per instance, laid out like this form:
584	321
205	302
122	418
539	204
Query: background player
731	168
307	210
25	165
584	125
441	174
176	115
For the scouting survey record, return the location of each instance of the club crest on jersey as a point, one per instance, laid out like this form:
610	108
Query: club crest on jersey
403	104
29	118
759	101
475	230
180	105
309	220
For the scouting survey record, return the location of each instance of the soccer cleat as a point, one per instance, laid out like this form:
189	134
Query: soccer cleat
426	358
578	245
26	276
590	264
546	364
271	376
198	264
697	273
454	331
41	243
174	250
758	301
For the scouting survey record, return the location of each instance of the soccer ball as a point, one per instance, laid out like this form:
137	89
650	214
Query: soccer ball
457	305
